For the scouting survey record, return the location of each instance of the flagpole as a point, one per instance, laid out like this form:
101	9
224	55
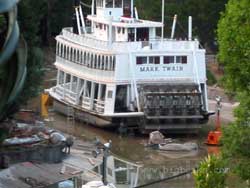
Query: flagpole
163	10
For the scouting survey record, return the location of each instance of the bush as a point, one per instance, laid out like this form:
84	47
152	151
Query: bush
211	80
211	173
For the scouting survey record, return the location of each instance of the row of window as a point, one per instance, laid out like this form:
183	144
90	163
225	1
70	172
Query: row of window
140	60
105	26
85	58
109	3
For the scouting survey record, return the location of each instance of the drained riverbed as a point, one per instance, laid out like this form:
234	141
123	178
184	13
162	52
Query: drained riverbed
156	164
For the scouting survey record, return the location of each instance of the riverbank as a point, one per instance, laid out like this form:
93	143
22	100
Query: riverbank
48	161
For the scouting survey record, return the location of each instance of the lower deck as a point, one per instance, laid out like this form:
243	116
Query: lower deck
141	105
140	123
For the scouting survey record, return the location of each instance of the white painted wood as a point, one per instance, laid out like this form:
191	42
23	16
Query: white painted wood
103	55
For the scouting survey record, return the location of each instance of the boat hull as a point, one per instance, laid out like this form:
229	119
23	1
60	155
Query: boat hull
136	123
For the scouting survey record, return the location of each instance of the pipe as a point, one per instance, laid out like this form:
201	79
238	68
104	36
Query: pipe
78	22
136	14
82	19
190	28
132	8
162	18
173	27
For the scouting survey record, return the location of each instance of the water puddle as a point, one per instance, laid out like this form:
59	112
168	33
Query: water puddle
156	164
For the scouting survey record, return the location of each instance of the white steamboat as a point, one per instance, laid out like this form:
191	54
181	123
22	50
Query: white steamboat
117	72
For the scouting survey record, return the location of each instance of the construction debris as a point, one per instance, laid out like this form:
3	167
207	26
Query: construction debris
189	146
157	137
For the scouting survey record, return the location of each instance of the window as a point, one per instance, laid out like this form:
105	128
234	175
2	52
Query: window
103	92
109	3
181	59
100	25
168	59
118	3
154	60
110	94
119	30
123	30
141	60
178	59
184	59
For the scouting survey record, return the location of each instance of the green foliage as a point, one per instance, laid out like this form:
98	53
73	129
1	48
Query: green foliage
205	14
30	15
60	15
33	83
234	54
236	144
211	80
234	44
211	173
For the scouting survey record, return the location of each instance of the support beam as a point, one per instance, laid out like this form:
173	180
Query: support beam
77	90
92	94
110	31
64	84
58	77
99	91
85	88
71	82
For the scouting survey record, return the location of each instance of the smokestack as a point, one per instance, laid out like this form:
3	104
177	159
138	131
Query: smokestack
190	28
76	3
173	26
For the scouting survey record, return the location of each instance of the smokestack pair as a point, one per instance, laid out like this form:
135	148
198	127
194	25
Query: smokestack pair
76	3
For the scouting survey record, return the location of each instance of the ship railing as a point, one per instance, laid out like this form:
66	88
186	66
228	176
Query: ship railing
86	102
152	43
91	72
68	95
59	90
84	39
99	106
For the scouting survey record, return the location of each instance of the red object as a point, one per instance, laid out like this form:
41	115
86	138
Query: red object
214	137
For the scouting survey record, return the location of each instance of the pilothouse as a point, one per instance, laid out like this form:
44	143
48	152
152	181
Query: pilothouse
116	71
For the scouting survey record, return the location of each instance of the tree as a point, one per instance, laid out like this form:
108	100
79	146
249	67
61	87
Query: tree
234	44
30	15
205	15
234	54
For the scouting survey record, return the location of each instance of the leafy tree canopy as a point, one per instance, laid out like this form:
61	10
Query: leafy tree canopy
234	54
234	44
205	15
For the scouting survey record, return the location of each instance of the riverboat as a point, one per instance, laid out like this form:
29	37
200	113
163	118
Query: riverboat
117	70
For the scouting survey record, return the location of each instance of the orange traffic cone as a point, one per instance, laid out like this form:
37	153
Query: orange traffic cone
215	136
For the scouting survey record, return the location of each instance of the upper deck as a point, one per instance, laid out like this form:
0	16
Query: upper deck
153	44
